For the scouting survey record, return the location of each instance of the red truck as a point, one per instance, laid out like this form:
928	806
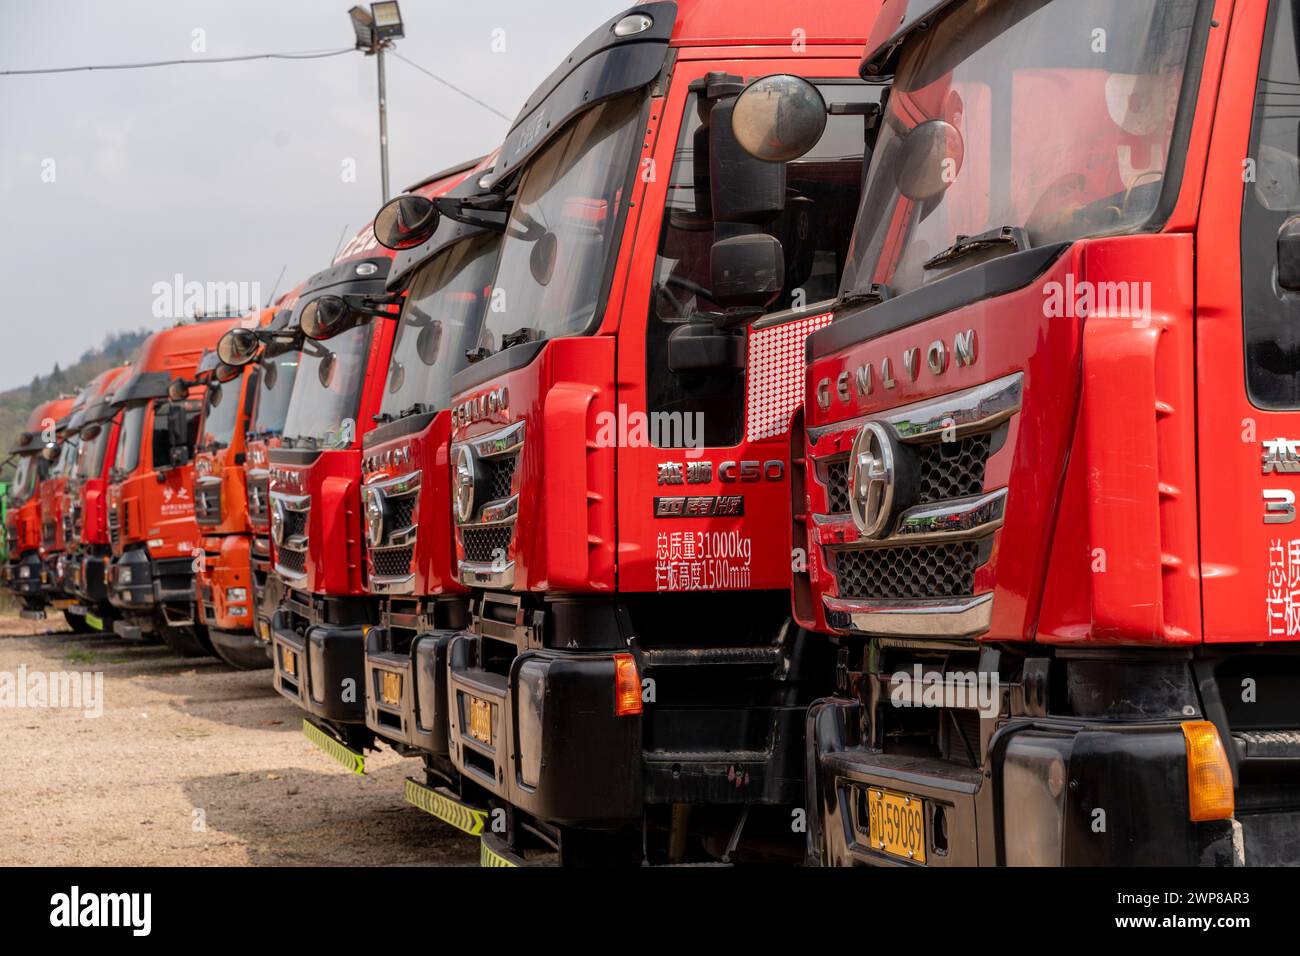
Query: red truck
25	573
619	448
154	537
279	360
317	630
85	525
417	599
1064	353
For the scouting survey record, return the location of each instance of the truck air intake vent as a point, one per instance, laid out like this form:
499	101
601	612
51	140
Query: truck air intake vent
945	570
500	476
948	469
295	562
837	486
392	562
486	545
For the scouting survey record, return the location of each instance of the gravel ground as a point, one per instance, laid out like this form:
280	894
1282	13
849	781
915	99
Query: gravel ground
191	763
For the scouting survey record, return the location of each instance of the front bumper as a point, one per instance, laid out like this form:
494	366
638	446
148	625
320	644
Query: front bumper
140	584
416	715
556	748
27	574
320	667
90	578
1057	795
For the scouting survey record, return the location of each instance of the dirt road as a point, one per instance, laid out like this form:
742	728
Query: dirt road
190	763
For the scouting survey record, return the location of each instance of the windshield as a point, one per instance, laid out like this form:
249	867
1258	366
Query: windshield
327	390
1050	116
26	477
563	225
67	462
220	414
440	322
90	463
127	456
273	392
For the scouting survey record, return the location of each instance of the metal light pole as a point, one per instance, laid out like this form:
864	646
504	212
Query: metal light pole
375	30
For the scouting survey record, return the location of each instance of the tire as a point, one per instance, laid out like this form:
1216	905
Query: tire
240	652
184	641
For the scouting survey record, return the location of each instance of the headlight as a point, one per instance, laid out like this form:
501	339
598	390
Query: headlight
124	576
375	517
462	481
277	522
236	595
24	572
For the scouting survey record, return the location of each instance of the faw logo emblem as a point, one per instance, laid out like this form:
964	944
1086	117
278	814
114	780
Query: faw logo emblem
937	358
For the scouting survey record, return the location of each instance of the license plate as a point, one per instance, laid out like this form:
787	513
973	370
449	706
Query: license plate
480	720
897	824
390	688
290	662
266	630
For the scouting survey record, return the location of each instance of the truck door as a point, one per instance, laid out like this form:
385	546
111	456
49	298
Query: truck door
703	469
1248	337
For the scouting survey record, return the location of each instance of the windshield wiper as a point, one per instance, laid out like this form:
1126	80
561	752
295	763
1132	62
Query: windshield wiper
874	294
518	337
1014	236
415	408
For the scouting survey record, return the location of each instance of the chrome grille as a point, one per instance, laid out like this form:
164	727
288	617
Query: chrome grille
207	501
259	493
295	562
487	536
918	577
295	524
391	559
291	552
115	527
500	477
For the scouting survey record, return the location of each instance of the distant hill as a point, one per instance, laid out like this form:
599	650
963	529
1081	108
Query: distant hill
17	403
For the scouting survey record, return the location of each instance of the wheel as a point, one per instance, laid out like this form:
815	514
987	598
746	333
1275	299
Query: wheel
184	641
242	651
78	623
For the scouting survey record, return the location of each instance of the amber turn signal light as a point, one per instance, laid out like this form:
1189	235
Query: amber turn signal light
1209	775
627	686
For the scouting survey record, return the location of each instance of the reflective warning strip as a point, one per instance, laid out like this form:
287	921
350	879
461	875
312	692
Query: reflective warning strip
489	857
344	755
94	621
445	809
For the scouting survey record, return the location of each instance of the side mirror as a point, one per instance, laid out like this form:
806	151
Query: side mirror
742	188
701	347
406	222
929	159
178	389
748	272
238	347
178	433
1288	255
778	118
50	452
327	316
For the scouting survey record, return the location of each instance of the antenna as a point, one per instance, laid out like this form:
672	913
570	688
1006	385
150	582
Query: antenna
339	245
271	298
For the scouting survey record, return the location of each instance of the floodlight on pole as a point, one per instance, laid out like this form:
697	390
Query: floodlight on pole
375	30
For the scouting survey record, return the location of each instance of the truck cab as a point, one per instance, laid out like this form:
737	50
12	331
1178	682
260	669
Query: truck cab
152	530
1047	467
89	550
54	497
630	686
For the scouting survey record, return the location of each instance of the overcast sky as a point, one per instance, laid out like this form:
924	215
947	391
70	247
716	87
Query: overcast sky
113	182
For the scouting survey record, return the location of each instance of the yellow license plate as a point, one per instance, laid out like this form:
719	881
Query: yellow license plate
897	824
266	630
290	662
390	688
480	719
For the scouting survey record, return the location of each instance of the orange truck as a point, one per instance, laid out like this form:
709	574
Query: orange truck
154	536
24	571
225	586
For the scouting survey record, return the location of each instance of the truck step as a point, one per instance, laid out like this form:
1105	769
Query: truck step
27	615
1267	744
336	749
441	804
493	852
